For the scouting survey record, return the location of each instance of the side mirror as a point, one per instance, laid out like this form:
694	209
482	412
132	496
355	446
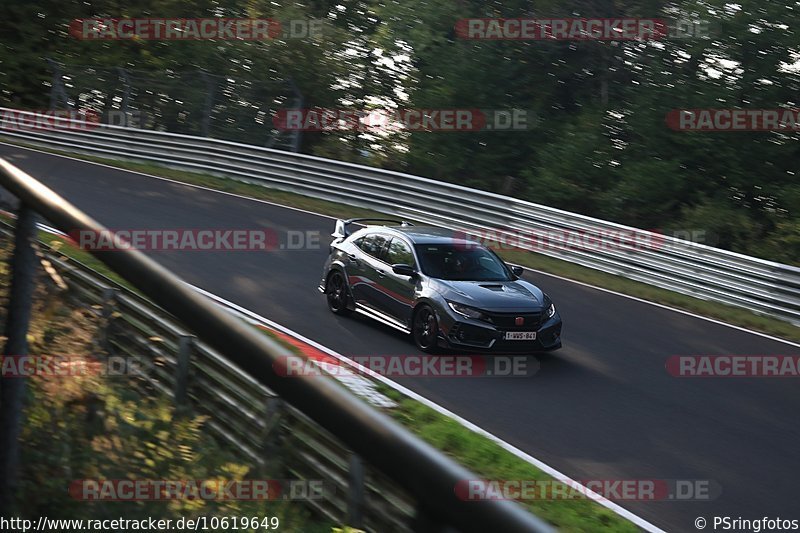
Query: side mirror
403	270
517	270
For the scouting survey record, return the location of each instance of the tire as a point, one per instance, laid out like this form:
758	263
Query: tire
425	329
336	294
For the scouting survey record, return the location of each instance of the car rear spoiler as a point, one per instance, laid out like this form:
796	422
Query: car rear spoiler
341	229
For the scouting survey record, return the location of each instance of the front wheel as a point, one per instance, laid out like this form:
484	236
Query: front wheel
336	291
425	329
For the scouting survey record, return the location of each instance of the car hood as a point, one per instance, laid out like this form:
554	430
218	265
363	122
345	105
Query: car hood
517	295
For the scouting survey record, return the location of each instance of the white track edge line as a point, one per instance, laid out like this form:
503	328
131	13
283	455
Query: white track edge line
624	513
178	182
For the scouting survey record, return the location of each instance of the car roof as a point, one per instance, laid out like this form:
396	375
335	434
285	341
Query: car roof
425	234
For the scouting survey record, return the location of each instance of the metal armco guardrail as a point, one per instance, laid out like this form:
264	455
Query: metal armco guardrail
249	416
764	287
420	470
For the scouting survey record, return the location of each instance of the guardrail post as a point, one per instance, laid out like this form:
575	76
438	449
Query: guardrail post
297	134
126	92
185	345
211	87
272	438
109	304
355	492
12	389
58	95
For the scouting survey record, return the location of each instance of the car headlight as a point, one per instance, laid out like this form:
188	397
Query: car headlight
551	310
469	312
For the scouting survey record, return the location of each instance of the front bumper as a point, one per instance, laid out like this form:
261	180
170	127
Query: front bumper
475	335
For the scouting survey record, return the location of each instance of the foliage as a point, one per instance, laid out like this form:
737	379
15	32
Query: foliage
599	144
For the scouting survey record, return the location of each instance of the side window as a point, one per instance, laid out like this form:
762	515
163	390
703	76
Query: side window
365	243
372	244
399	252
378	247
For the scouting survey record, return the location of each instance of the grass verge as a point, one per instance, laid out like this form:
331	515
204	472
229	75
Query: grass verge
491	462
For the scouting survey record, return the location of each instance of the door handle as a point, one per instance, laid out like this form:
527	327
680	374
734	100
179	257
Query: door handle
381	274
353	257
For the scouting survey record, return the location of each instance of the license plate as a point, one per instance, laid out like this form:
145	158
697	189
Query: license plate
520	336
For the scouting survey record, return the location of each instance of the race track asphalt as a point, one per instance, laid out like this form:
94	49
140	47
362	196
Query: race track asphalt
603	407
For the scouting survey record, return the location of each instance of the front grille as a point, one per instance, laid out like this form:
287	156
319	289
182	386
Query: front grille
508	321
467	334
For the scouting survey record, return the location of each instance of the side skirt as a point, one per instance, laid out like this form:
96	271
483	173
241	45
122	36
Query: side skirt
381	317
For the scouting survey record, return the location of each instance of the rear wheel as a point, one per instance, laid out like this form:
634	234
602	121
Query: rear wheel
425	330
336	291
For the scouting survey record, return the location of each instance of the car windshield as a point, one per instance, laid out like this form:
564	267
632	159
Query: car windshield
457	262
